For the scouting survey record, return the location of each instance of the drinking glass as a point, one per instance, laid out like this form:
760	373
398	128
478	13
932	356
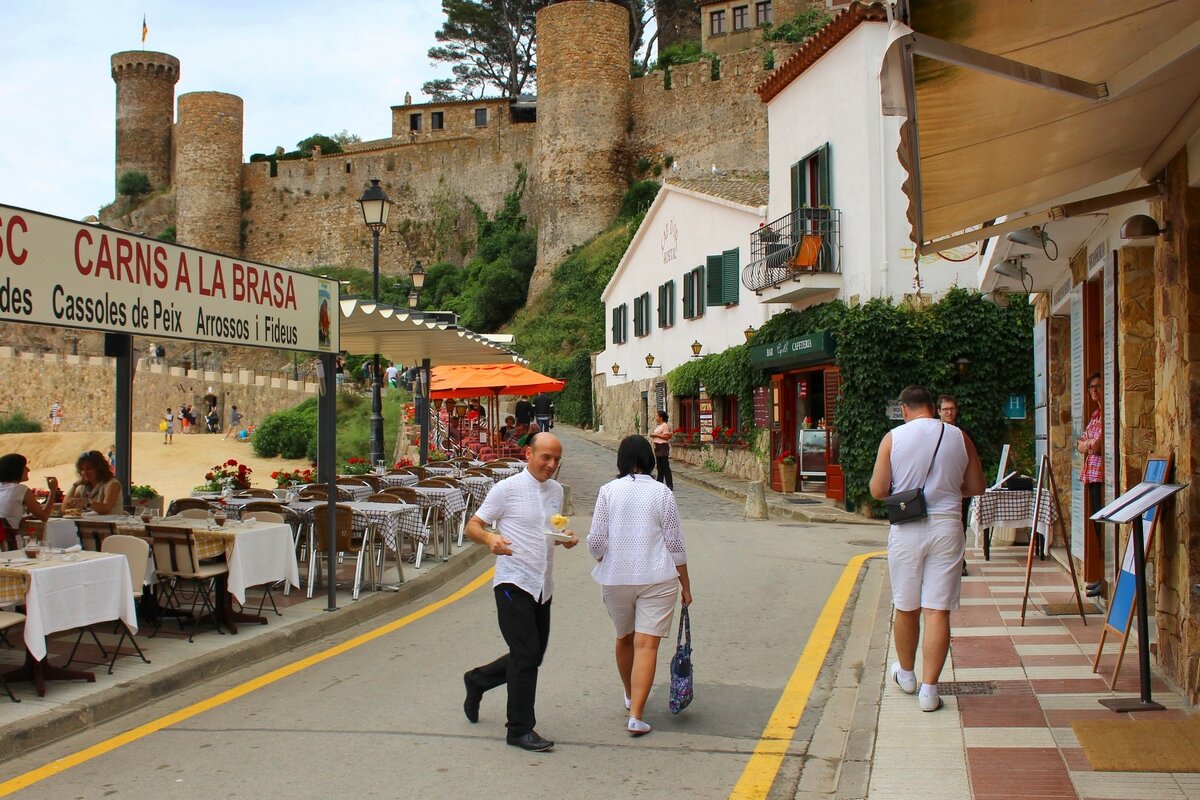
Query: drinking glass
219	518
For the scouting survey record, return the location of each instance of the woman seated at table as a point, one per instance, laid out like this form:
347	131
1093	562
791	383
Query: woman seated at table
16	499
97	489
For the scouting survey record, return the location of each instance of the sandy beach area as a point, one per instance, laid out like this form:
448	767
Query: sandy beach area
173	469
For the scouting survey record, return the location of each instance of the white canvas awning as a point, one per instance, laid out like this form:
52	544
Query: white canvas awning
408	337
1013	105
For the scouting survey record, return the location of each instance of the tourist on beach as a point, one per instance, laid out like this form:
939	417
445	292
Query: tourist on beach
169	430
235	421
17	500
56	415
97	488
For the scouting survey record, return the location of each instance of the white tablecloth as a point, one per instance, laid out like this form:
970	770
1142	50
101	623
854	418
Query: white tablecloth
60	532
66	594
262	553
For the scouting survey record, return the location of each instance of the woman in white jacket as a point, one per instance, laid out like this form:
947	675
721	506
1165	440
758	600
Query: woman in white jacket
638	541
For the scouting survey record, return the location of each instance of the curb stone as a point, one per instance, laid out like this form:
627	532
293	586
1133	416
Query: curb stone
25	735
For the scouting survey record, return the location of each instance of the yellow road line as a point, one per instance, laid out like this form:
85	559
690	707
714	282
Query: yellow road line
776	737
130	736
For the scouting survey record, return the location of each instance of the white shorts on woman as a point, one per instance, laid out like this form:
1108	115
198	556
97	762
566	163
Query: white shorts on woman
643	608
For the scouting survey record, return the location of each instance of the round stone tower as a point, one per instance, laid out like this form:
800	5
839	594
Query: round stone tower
145	109
208	171
582	125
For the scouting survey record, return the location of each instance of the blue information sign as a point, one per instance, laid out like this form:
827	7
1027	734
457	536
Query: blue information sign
1014	407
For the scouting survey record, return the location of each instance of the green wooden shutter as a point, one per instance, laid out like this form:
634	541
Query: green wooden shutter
698	277
799	195
616	317
689	297
662	306
730	267
671	302
714	282
824	188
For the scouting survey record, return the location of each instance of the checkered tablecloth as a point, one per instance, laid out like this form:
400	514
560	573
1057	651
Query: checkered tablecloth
444	472
393	481
12	587
1011	509
478	487
393	519
448	499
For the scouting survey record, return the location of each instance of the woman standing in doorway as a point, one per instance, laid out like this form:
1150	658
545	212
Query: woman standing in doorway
1091	444
661	436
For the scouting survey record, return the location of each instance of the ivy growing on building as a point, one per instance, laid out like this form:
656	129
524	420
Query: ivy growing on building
883	347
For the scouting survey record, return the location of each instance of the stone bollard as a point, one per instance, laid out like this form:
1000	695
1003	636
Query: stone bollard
567	508
756	501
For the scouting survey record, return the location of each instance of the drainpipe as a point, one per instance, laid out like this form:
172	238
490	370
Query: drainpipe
883	205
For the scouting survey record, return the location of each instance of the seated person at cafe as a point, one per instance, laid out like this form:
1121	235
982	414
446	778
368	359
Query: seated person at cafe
508	431
530	430
17	500
97	488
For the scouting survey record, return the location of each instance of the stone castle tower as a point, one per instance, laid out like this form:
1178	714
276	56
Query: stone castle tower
581	149
145	112
208	171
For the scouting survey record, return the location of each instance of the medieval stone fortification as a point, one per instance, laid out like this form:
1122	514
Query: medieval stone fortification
592	124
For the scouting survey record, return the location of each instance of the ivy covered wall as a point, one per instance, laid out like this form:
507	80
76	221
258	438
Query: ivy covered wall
881	348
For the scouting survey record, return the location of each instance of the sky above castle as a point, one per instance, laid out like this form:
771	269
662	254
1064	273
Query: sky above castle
301	67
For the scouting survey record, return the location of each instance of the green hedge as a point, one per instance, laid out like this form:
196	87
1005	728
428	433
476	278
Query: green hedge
17	422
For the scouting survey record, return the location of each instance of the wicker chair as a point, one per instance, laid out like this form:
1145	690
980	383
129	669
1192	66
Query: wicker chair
256	493
184	503
346	542
175	561
92	533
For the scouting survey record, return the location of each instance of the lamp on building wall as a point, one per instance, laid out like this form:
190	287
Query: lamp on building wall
418	283
961	363
616	370
696	348
749	332
1141	226
413	299
375	209
650	363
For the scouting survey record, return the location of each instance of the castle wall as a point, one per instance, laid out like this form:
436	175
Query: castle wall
145	110
208	171
582	131
701	122
308	214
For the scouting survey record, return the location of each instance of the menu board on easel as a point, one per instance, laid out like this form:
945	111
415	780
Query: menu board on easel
706	418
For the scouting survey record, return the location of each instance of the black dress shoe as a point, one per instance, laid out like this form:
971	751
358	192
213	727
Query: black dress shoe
1095	591
531	741
474	695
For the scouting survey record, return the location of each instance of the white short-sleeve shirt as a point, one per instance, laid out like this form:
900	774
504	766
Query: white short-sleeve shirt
520	508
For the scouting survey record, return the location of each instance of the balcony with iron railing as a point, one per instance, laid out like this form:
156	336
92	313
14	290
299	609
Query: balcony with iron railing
806	242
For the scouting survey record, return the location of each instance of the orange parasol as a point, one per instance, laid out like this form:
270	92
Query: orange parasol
473	380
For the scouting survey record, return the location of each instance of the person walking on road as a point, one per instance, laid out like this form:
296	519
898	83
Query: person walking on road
661	436
925	555
637	539
520	508
235	421
169	426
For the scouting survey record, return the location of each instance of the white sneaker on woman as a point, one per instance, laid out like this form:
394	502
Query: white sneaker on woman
636	727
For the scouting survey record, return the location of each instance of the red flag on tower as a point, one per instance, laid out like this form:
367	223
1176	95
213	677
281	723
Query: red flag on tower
145	30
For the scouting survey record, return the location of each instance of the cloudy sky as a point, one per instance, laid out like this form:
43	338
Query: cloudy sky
301	67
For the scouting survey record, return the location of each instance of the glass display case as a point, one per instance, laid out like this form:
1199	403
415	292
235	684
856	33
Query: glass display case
815	446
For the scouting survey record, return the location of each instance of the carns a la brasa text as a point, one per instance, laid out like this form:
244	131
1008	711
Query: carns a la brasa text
117	258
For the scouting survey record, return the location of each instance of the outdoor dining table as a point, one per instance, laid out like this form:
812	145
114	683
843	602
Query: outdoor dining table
442	471
66	591
391	481
1011	508
451	503
477	486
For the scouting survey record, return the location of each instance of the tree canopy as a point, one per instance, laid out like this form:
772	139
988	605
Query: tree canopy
488	43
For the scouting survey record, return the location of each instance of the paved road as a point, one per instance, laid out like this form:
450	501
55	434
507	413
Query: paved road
385	719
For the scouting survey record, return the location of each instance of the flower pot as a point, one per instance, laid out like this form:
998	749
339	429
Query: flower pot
787	477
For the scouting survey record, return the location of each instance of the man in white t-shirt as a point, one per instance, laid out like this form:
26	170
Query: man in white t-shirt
520	508
925	555
391	373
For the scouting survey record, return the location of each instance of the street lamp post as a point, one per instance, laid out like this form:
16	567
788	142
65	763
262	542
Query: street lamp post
375	207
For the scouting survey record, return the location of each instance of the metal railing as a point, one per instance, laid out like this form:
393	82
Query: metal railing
806	241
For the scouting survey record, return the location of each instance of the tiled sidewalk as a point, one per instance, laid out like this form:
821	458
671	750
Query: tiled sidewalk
1016	741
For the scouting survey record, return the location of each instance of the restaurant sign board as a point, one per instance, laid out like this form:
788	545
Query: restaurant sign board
814	348
706	419
54	271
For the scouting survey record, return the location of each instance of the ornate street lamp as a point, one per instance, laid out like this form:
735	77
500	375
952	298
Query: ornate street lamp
375	209
650	363
696	348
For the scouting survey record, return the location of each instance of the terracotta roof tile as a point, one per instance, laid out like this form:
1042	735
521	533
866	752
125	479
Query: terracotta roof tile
819	44
748	190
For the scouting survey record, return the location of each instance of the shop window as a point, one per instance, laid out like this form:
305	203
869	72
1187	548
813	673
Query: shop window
810	180
693	293
762	13
689	417
716	23
481	118
666	304
437	120
727	409
414	123
741	18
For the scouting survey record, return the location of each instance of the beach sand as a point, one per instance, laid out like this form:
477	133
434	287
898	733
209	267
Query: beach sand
173	469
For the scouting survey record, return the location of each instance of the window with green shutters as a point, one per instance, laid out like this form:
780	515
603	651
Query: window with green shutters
620	323
810	181
641	315
722	278
666	304
693	293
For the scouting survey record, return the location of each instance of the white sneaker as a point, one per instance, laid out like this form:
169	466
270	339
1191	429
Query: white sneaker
628	705
636	727
931	702
907	685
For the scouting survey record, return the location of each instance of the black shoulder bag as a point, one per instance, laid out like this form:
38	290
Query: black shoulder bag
909	505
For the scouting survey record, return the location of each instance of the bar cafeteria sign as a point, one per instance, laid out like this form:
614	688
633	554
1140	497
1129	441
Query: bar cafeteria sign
811	349
57	272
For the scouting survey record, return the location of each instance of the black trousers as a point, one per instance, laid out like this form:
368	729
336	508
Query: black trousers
525	625
1095	497
664	471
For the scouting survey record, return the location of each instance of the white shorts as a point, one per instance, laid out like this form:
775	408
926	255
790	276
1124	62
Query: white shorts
925	562
645	608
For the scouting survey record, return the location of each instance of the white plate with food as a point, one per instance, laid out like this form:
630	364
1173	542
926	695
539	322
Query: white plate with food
558	537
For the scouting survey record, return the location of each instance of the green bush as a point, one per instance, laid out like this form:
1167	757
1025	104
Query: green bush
17	422
167	235
679	53
133	184
798	28
637	198
293	433
288	434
